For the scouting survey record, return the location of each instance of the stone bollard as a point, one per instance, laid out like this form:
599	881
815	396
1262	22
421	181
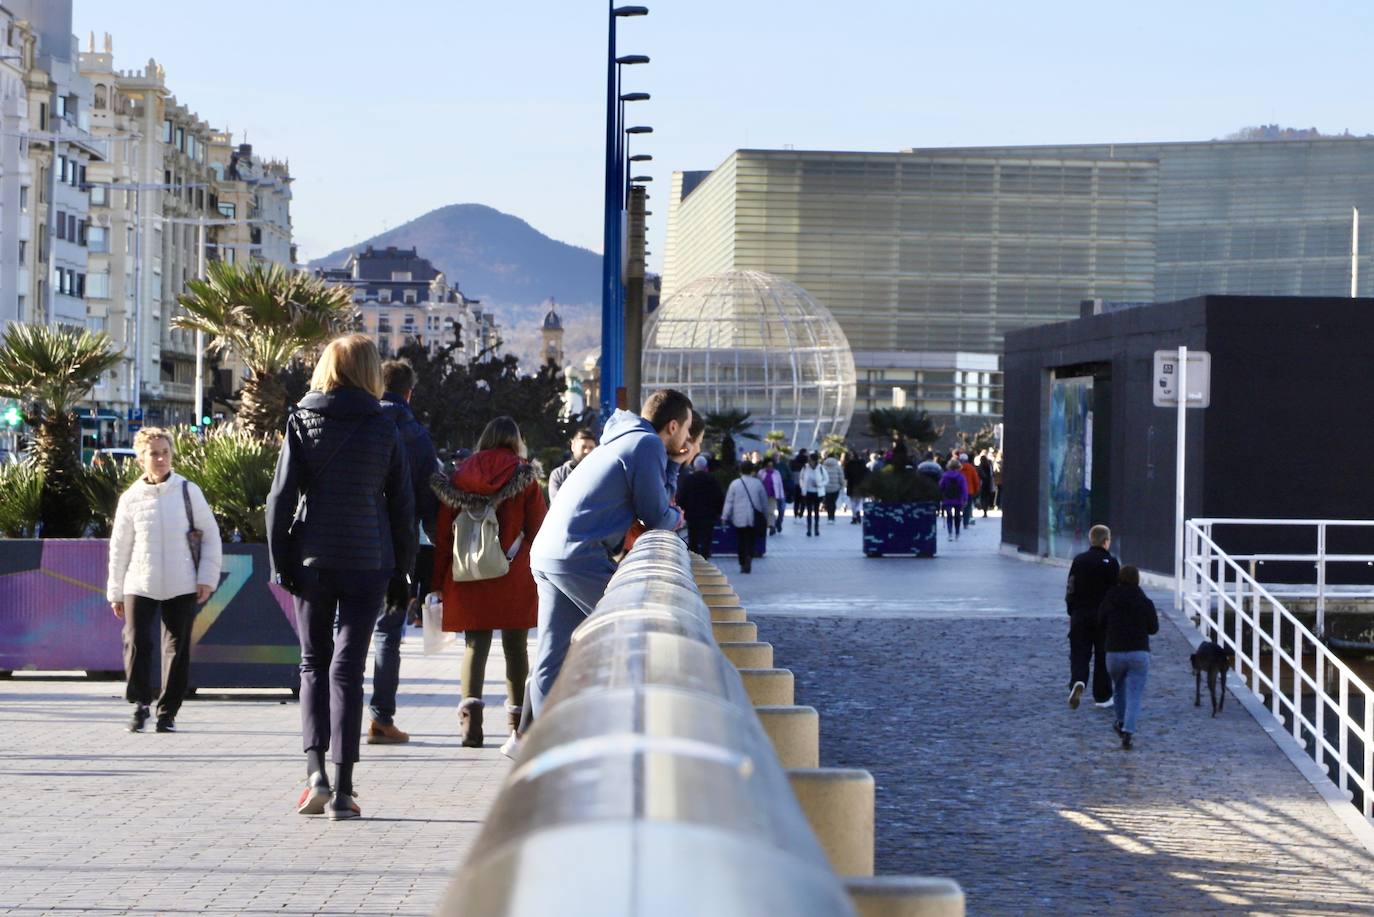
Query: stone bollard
839	804
768	687
905	896
722	613
795	733
749	655
734	631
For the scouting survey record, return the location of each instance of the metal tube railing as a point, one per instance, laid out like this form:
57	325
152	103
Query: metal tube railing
647	785
1217	585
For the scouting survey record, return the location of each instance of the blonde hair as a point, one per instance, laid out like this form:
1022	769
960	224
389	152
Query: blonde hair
1098	535
502	431
145	436
349	360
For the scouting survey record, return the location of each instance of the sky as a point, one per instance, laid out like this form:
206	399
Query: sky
389	110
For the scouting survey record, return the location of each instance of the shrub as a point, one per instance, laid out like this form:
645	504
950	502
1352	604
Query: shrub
890	485
22	486
101	486
234	469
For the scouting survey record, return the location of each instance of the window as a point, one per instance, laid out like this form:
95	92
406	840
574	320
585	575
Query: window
42	116
100	196
181	139
62	168
101	96
191	146
408	296
226	210
167	131
23	253
61	225
81	181
98	239
71	228
61	106
384	296
79	285
98	285
81	228
24	198
400	275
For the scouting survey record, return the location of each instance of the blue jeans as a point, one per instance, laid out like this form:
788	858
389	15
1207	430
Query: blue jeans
566	598
386	663
1129	673
968	509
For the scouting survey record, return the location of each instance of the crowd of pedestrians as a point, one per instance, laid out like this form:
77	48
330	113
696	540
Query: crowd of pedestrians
364	526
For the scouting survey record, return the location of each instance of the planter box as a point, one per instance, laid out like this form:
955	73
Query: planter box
723	542
900	528
53	616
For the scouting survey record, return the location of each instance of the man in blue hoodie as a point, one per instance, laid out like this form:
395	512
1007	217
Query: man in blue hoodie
399	378
629	477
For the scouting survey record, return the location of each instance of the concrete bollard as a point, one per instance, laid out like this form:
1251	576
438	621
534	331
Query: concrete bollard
839	804
734	631
905	896
722	613
768	687
795	733
749	655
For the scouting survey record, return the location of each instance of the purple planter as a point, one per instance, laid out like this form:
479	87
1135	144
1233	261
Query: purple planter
54	616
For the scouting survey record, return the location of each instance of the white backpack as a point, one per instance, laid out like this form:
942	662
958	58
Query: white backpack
477	553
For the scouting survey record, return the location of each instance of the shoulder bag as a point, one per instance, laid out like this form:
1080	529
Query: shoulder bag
194	536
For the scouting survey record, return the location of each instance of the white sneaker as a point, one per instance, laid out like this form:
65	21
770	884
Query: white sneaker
1076	694
511	747
1105	703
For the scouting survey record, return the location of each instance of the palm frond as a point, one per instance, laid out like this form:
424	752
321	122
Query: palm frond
52	368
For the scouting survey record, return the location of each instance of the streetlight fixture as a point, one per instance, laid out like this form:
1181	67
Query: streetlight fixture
641	157
641	178
634	97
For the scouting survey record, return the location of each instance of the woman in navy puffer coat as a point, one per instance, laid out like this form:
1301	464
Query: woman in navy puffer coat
341	529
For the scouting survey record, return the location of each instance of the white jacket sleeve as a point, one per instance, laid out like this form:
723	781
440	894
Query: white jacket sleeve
121	549
211	551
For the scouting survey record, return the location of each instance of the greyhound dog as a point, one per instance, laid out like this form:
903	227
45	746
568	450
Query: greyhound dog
1212	658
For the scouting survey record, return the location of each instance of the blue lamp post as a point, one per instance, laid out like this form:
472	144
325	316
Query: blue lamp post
613	286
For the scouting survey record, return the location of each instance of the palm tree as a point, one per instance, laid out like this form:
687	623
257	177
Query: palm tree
902	424
778	444
723	426
48	370
834	444
266	315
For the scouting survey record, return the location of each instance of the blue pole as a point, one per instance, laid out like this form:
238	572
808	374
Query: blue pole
611	346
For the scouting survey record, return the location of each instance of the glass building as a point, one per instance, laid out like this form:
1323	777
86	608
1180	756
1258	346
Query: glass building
749	341
928	257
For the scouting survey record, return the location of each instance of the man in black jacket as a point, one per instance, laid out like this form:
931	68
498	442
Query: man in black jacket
1092	574
399	378
701	499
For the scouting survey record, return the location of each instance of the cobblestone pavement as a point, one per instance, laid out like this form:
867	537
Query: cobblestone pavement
103	821
946	679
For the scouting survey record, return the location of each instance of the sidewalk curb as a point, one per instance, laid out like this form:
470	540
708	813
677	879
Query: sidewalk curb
1313	773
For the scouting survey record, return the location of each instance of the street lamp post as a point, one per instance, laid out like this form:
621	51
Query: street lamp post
612	293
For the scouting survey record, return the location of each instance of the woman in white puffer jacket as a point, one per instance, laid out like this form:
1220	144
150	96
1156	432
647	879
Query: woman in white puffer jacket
152	574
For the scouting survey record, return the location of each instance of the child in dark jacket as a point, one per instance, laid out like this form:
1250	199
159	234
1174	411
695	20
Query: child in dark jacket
1127	617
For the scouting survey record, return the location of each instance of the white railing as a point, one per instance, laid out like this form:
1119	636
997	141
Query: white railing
1216	587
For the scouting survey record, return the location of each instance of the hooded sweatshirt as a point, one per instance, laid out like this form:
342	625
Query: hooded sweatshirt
627	477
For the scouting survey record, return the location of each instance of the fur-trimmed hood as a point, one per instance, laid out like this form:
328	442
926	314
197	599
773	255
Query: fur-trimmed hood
489	477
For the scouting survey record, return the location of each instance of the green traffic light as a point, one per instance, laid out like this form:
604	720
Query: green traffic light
205	421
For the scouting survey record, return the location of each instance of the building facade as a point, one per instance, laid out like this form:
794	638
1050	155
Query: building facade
927	258
402	299
17	50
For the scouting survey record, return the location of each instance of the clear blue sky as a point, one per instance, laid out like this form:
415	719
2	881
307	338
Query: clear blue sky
387	110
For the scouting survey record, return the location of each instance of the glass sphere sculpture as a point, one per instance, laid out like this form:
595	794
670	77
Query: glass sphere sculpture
749	341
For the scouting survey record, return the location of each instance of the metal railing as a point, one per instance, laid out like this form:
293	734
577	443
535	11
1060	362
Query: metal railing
1320	559
647	785
1216	588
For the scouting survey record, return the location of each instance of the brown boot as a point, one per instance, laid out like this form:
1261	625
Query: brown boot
380	734
470	722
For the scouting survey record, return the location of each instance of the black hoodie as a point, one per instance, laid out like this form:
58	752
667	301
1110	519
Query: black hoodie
346	456
1127	618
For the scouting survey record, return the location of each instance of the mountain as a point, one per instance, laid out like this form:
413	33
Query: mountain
507	264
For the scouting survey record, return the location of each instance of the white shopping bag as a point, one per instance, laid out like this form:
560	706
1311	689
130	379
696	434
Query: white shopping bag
433	619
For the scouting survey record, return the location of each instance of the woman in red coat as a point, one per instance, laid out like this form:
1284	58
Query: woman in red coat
496	473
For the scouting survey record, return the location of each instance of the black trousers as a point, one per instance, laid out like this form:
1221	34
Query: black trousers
830	500
1088	648
744	539
699	534
141	615
335	613
812	508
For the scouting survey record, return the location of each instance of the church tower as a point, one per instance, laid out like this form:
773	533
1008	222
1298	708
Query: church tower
552	333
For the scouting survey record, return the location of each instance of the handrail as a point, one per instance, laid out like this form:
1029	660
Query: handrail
647	785
1211	594
1320	559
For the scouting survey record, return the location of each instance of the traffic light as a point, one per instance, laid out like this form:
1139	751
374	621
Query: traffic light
206	421
11	416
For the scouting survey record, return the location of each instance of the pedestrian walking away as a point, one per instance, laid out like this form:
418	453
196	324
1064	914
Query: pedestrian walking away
975	482
813	480
986	496
583	442
796	466
771	479
398	377
340	533
701	498
855	471
744	511
627	478
1091	575
953	498
1127	619
164	563
834	486
496	479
